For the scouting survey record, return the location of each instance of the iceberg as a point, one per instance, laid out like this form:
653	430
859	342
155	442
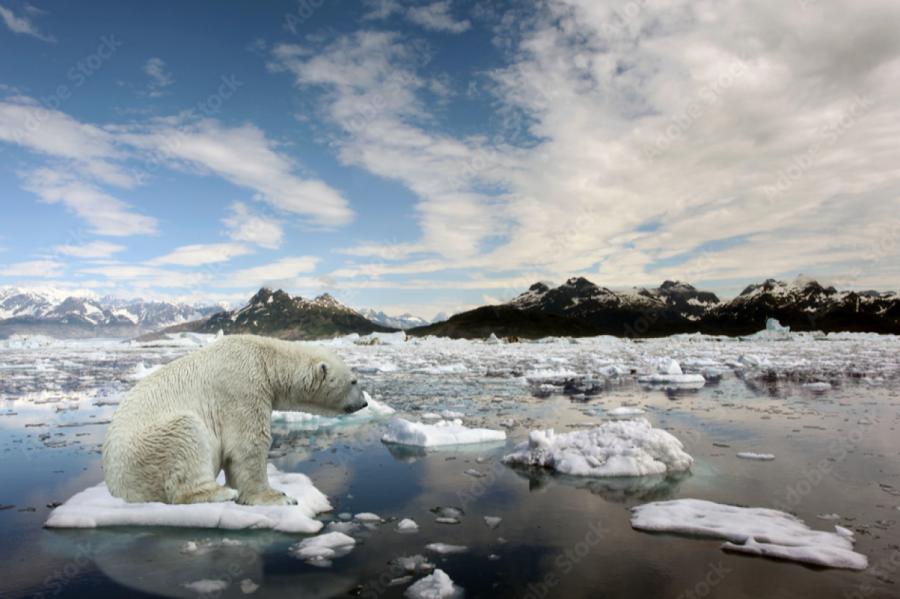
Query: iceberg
443	432
434	586
373	410
755	531
95	507
320	550
615	448
669	372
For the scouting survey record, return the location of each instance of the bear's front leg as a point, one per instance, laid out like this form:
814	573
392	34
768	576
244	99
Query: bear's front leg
245	470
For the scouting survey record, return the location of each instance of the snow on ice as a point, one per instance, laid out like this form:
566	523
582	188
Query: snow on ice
434	586
95	507
755	531
441	433
321	549
750	455
616	448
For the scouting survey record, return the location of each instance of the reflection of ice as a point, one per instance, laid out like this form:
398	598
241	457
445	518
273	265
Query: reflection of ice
153	561
616	489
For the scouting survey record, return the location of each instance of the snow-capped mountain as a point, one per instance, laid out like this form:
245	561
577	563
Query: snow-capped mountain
57	313
279	314
805	304
403	322
580	307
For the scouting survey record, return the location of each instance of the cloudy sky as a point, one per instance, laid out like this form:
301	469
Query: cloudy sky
429	156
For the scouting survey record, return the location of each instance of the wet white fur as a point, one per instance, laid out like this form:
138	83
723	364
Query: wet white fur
211	410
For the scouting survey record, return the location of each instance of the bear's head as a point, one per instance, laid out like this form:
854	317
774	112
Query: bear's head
325	387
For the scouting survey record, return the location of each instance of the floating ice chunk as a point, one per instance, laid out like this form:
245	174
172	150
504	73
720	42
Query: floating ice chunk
493	521
757	531
446	548
753	361
434	586
407	525
818	387
95	507
414	564
367	517
625	412
141	371
617	448
687	380
668	366
773	326
248	586
323	548
539	375
207	586
443	432
457	368
749	455
668	372
451	415
374	409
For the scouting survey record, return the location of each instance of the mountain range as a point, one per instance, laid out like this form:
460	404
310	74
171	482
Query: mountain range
280	314
58	314
579	307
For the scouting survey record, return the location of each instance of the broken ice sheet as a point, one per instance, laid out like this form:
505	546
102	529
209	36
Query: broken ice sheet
755	531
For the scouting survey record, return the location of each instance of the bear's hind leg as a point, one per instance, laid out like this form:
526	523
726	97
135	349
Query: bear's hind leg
190	467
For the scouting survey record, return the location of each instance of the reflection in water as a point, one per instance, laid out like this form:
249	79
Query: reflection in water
619	489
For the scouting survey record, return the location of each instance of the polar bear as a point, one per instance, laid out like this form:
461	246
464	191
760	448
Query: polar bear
211	410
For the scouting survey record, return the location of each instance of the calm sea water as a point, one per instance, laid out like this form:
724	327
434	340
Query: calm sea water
836	453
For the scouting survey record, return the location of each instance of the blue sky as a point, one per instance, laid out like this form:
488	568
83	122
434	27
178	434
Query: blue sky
431	156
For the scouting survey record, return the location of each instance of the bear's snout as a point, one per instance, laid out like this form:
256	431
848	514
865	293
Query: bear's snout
357	401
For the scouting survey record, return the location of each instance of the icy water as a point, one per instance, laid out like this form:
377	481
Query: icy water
836	454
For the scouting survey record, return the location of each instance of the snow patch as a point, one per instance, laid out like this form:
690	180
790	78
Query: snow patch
756	531
443	432
617	448
95	508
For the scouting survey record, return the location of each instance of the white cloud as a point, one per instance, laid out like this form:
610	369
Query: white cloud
768	123
106	214
273	274
160	77
371	92
242	155
22	24
244	225
25	122
93	249
200	254
153	278
436	17
247	158
33	268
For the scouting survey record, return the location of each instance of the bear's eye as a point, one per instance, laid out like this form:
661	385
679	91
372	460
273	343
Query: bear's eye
353	382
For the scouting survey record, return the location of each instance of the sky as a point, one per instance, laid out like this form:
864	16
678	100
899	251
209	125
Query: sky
432	156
